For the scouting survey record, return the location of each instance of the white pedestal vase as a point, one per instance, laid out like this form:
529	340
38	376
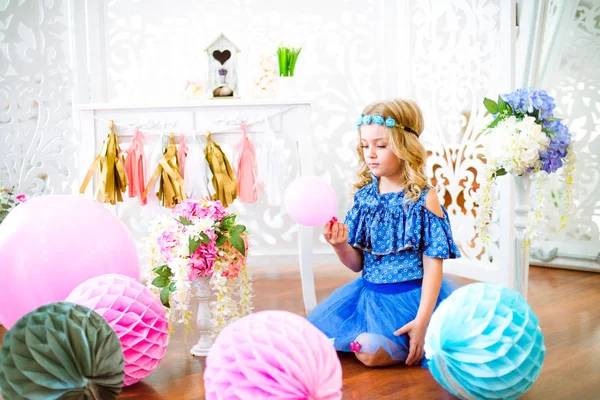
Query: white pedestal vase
521	262
203	319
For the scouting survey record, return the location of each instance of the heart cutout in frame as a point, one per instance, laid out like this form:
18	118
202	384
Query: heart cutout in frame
222	56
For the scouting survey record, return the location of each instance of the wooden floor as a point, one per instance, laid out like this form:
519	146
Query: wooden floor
566	302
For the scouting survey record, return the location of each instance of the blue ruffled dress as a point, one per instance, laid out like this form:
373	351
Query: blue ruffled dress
393	235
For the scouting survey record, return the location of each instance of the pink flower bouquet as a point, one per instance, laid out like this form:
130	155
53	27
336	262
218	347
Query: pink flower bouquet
200	240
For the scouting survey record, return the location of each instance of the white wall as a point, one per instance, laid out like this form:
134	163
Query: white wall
354	52
37	139
151	51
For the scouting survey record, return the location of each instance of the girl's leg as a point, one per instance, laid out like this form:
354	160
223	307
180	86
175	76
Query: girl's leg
373	351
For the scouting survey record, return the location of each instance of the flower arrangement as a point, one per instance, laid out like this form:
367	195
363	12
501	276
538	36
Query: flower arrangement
265	82
8	201
200	239
524	138
287	60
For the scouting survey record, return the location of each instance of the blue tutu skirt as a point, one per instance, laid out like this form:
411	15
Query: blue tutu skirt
361	307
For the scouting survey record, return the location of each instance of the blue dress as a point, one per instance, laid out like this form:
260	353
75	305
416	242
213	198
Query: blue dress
393	235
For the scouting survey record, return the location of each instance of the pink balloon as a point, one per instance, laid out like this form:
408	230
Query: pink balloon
310	201
51	244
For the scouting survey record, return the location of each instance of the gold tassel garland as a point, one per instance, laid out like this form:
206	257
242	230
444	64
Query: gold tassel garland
223	179
113	180
170	189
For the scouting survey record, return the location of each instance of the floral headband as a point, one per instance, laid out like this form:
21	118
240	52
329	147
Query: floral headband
379	120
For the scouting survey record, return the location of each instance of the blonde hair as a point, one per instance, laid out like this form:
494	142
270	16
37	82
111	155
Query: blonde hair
405	145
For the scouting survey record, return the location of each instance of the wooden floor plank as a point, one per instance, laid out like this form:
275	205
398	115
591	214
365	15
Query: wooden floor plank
567	304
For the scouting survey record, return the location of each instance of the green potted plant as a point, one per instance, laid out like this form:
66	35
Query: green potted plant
287	57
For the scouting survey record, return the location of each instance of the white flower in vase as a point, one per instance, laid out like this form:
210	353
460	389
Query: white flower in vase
525	139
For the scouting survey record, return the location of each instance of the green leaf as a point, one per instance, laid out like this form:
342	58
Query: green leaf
221	239
548	133
293	57
501	104
160	281
236	230
228	222
163	270
490	105
6	206
238	243
193	245
164	297
495	122
185	221
500	172
204	238
283	56
172	287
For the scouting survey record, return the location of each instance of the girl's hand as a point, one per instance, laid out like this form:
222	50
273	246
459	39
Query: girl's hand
416	332
336	233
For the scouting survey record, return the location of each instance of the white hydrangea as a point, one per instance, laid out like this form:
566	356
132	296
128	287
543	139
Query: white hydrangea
515	145
200	225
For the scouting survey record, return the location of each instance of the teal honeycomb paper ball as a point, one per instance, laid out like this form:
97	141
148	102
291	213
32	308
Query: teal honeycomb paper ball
484	342
61	350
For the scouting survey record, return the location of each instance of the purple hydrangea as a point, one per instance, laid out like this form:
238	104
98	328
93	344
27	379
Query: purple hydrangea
552	158
526	101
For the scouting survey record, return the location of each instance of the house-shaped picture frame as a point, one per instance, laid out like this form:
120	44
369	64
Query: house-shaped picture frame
222	80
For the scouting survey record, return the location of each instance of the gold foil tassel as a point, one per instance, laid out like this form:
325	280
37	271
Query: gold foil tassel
170	188
112	180
223	177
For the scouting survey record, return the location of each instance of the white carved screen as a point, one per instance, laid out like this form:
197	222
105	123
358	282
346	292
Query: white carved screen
147	53
571	74
37	140
457	53
452	55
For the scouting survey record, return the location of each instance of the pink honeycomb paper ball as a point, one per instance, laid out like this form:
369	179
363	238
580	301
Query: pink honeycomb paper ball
136	315
272	355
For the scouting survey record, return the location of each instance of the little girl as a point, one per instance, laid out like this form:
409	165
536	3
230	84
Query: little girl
397	234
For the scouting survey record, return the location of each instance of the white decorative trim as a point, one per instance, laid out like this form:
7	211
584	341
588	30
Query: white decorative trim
194	104
576	255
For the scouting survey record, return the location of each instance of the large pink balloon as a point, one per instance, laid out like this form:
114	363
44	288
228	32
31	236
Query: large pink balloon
310	201
51	244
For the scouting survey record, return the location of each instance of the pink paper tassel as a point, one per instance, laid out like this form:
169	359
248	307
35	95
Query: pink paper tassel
182	155
134	167
247	169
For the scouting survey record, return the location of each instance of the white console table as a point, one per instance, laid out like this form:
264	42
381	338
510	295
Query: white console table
288	118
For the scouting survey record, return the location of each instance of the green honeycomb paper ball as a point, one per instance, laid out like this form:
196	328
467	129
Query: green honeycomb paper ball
61	351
